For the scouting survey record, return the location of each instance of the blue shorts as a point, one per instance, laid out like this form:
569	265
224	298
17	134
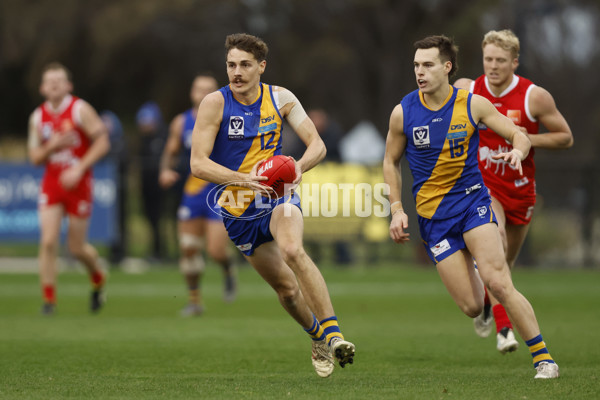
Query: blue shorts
444	237
199	205
247	234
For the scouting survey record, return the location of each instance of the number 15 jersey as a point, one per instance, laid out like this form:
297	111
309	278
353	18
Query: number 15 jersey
442	147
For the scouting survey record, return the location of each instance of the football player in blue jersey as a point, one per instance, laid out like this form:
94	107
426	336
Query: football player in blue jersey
237	128
199	222
436	127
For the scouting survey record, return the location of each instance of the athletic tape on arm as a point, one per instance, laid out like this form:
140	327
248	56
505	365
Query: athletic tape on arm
297	114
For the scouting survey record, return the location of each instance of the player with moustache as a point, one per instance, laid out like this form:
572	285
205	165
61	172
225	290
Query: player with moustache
237	128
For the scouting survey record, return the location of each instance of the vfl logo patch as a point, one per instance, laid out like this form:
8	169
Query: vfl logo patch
440	247
236	128
421	137
482	211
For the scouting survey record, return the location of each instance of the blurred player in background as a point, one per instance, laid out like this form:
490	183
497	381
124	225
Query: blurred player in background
199	218
513	194
437	127
68	137
238	127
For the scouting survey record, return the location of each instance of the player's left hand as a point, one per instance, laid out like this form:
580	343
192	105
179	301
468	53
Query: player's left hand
398	227
71	177
513	157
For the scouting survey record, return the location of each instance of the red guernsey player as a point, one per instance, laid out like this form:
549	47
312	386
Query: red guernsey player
68	137
513	194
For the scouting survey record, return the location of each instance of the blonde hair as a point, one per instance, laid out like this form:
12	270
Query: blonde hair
505	39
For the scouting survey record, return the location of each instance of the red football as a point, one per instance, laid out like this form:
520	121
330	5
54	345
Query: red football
280	170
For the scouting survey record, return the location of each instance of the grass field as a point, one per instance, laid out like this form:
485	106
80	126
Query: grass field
412	341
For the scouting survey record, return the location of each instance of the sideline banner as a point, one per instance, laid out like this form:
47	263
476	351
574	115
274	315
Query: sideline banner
344	202
19	186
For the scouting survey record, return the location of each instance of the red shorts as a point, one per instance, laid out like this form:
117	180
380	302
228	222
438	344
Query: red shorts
77	201
517	211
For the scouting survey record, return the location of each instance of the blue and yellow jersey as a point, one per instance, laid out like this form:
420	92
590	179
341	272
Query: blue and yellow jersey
248	133
192	185
442	148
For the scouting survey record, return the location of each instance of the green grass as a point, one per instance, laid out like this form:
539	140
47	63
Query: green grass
412	341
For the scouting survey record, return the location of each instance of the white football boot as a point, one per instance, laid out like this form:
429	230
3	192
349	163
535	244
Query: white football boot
506	341
322	360
484	322
342	350
546	370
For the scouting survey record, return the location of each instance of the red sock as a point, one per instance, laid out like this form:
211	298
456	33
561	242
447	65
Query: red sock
49	294
97	279
501	318
486	298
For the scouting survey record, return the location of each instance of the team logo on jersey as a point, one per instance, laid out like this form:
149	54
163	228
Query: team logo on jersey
236	128
47	129
421	137
482	211
515	116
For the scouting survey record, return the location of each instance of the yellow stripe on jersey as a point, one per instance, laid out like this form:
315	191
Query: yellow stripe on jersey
263	146
450	163
193	185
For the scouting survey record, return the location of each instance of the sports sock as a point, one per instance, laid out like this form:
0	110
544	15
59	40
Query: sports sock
330	325
194	295
316	331
486	297
97	279
538	350
501	318
49	294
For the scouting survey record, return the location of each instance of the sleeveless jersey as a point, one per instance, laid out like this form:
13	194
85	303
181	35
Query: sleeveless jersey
498	175
247	134
192	185
442	153
57	122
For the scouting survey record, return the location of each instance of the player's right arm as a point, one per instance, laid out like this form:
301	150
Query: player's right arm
394	149
208	121
168	176
39	151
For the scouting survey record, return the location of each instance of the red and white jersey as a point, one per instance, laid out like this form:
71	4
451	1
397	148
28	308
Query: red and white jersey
498	175
50	121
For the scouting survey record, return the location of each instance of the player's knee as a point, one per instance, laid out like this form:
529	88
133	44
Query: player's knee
190	245
292	253
288	293
498	288
193	265
49	246
471	308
